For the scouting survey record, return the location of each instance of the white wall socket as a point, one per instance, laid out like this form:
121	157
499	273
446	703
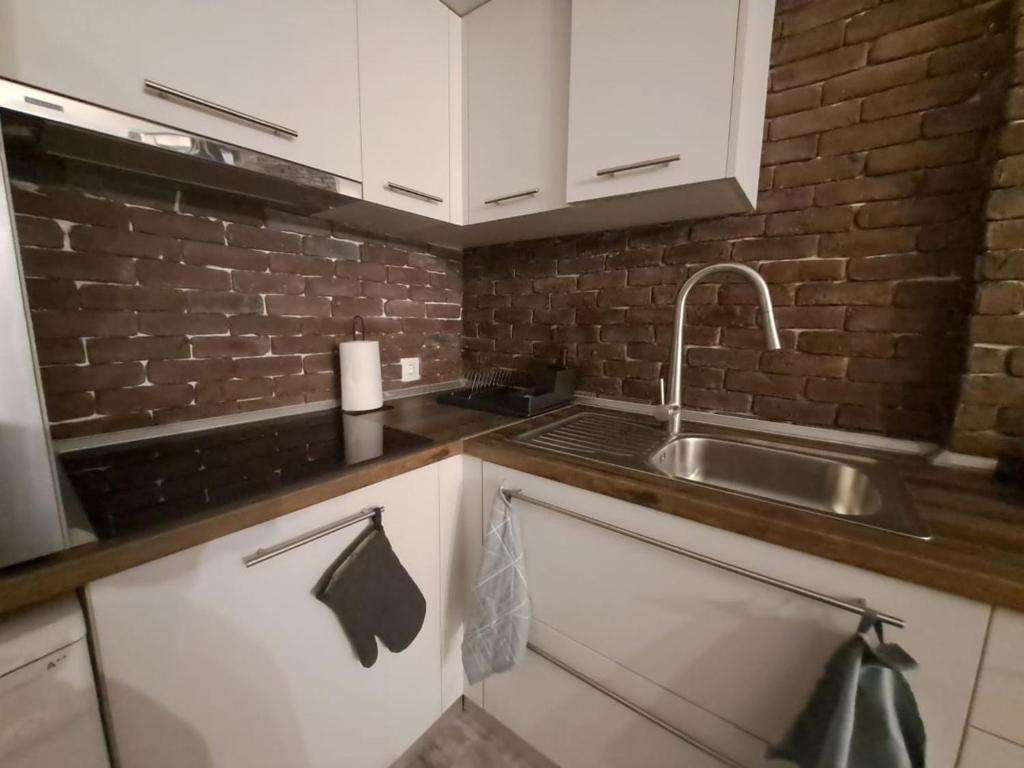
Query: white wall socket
410	368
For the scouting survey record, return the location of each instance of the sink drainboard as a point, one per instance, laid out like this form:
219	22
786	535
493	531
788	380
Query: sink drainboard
601	437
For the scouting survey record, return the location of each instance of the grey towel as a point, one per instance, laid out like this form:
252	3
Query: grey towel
373	596
862	713
499	627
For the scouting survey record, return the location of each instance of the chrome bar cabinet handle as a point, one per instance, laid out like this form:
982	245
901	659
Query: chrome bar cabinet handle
414	192
513	196
667	160
167	92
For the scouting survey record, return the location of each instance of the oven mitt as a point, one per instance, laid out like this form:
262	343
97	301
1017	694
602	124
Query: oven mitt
373	596
862	713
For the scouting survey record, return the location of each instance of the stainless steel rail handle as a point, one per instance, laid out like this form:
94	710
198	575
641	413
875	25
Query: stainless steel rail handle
635	708
260	555
667	160
513	196
414	192
167	92
858	608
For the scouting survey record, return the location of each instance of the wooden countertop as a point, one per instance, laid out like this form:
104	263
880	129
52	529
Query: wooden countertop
447	427
977	549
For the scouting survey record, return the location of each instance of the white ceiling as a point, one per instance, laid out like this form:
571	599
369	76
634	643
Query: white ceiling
462	7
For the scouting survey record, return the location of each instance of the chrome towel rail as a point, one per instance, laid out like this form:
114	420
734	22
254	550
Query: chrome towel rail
167	92
635	708
851	607
286	546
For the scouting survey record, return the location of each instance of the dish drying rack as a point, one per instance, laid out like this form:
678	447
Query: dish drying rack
514	392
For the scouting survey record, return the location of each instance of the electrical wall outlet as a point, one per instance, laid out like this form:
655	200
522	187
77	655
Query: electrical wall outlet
410	368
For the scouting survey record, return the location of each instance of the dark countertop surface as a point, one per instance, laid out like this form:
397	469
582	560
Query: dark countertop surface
977	548
148	499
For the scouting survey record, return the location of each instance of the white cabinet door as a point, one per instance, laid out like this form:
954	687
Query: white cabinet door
207	663
577	727
517	74
649	80
403	77
717	644
292	64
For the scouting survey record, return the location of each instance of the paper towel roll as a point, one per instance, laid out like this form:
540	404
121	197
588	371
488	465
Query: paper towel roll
360	376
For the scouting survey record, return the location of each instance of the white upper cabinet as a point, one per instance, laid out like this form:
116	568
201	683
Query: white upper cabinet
404	84
517	74
281	79
651	96
639	111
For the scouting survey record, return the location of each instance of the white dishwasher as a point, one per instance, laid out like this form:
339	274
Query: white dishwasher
49	712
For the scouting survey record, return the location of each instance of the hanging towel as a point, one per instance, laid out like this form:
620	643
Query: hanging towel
499	625
373	596
862	713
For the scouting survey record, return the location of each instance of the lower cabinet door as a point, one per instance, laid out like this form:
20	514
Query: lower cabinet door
711	652
208	664
578	727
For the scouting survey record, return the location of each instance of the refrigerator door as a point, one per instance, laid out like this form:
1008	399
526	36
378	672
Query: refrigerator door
31	522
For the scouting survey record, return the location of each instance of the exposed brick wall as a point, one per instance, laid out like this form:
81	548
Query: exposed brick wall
154	304
877	158
990	419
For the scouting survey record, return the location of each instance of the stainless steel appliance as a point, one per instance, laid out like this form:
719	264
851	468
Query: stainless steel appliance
31	519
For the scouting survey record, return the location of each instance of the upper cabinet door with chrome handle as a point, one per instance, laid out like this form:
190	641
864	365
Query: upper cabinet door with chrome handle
251	78
650	95
404	81
517	91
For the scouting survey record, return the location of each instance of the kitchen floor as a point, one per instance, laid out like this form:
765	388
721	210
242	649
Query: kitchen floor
470	738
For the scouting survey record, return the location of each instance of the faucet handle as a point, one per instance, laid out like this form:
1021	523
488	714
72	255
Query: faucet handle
663	411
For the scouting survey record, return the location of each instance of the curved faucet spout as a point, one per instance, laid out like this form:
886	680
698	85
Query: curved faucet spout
771	334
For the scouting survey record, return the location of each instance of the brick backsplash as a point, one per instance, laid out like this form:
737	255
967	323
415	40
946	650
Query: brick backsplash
880	137
889	227
154	304
990	417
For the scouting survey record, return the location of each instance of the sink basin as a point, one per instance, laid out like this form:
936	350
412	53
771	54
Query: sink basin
803	480
859	489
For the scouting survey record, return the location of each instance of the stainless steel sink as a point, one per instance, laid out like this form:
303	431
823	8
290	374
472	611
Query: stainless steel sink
859	489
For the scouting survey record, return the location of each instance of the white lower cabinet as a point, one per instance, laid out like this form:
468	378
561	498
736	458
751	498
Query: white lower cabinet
208	664
726	660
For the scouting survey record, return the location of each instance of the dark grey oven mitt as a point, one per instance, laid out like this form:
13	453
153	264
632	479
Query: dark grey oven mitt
373	596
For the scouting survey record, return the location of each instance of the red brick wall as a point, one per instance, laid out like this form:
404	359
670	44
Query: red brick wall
877	158
990	419
153	304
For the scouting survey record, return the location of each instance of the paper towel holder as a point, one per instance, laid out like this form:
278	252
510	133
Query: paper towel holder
358	328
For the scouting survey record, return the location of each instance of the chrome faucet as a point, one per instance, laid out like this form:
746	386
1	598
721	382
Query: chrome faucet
671	411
